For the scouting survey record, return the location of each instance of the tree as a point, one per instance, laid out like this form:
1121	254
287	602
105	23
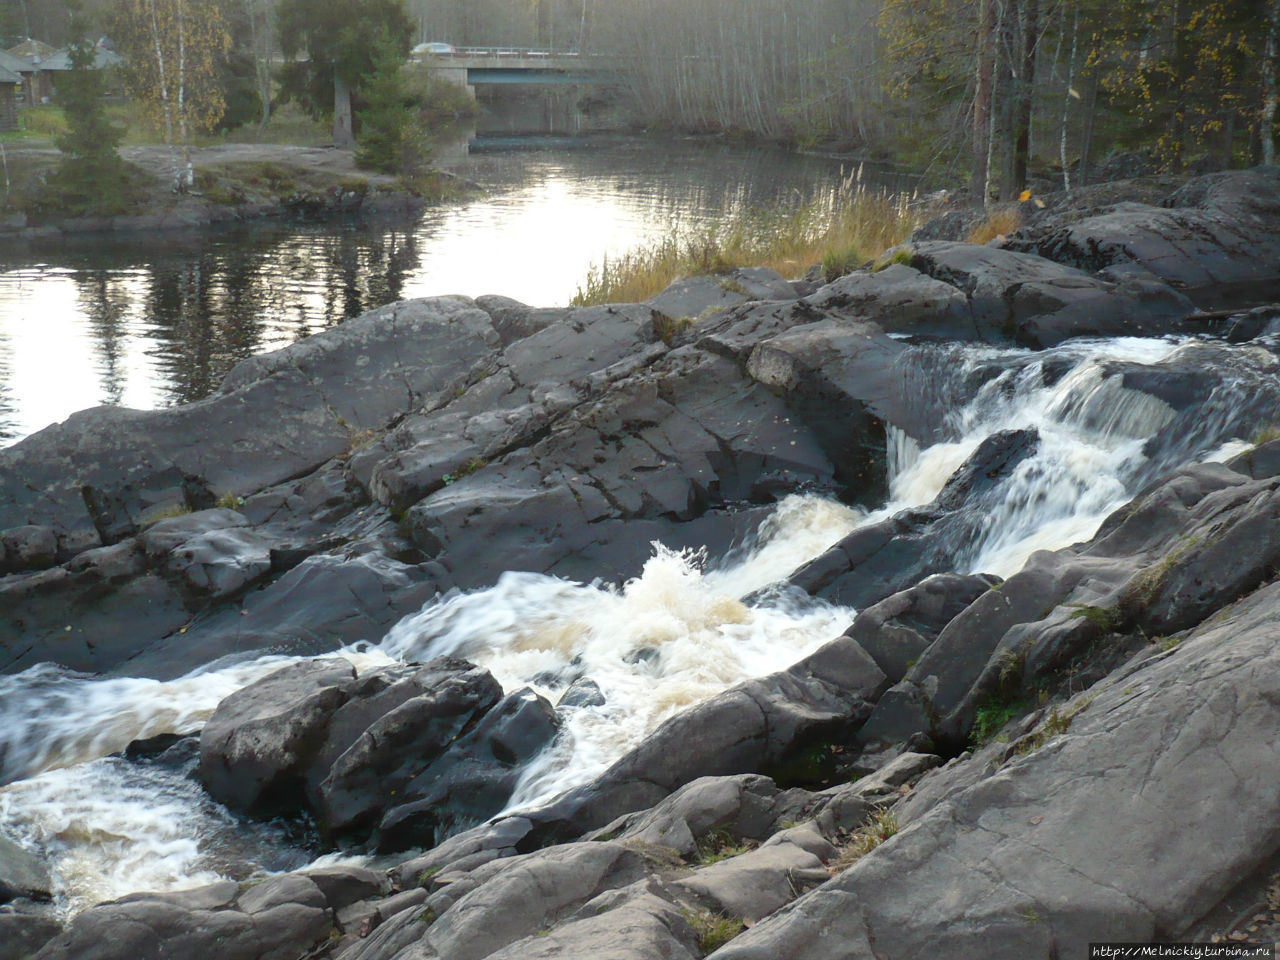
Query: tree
391	138
173	50
91	179
342	41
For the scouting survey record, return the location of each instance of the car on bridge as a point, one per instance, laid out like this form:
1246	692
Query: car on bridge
434	48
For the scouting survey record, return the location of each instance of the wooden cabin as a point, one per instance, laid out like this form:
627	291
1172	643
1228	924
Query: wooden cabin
10	83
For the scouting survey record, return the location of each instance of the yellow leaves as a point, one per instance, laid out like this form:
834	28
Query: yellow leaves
1024	196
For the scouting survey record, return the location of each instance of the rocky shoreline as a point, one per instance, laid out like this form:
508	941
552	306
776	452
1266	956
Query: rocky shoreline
234	183
845	807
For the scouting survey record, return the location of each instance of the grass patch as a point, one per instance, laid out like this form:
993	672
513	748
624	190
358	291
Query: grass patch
1055	723
1105	619
166	513
990	718
229	501
720	845
1266	435
829	228
877	828
999	223
713	930
38	123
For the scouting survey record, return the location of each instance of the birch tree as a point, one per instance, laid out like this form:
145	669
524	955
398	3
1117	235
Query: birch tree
172	51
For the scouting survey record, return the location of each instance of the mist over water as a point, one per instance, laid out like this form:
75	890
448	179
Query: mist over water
688	627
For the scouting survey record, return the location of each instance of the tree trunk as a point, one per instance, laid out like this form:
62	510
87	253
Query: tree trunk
1086	138
1029	30
1066	99
187	177
1270	93
165	101
982	113
343	137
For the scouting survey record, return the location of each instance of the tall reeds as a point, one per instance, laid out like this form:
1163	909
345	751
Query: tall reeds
838	228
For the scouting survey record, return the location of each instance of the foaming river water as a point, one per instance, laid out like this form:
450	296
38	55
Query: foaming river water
150	320
688	627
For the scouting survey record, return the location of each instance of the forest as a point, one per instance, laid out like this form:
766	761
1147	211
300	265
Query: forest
996	92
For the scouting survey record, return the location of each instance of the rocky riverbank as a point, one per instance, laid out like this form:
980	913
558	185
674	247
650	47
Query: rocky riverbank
1079	749
233	182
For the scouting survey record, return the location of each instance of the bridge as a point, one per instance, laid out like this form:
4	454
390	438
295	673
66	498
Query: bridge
472	66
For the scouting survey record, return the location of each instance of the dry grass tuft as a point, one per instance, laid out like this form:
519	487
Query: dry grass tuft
838	229
1000	223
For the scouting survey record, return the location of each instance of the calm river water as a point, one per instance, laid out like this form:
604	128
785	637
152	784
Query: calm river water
151	320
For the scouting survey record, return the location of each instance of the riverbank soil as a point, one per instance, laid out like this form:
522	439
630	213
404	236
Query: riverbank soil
985	666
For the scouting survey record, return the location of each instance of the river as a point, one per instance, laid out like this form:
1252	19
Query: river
151	320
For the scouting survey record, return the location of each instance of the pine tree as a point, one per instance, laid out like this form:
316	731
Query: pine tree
391	138
91	179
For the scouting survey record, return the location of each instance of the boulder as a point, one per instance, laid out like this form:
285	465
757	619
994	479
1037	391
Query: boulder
639	927
899	628
22	874
28	548
1216	231
25	927
754	884
529	895
403	742
1160	769
758	726
693	298
880	559
474	778
281	918
256	747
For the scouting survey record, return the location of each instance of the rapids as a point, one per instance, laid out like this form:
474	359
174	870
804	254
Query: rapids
689	626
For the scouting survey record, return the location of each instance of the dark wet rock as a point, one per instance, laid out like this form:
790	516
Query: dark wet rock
658	456
899	628
22	874
255	749
583	692
474	778
878	560
758	726
28	548
403	742
1216	231
1039	303
901	300
841	380
25	927
325	601
423	750
969	868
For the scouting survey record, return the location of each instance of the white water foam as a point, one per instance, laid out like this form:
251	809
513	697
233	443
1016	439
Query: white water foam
671	637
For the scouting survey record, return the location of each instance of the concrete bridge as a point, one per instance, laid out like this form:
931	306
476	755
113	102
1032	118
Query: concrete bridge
473	66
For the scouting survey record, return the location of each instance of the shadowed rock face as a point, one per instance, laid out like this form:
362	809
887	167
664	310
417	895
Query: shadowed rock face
409	752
